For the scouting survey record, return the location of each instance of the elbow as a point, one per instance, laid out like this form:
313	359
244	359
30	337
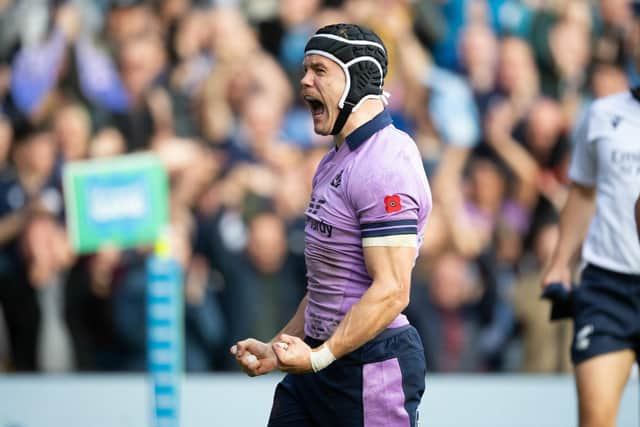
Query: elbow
530	174
405	295
530	178
402	303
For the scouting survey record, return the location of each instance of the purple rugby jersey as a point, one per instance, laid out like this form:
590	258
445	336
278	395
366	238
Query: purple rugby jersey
372	191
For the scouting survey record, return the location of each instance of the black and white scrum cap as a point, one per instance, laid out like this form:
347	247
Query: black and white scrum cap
363	58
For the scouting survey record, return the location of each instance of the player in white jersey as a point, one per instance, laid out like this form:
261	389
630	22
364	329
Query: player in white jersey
605	176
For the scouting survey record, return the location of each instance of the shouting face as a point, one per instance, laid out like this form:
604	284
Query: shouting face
321	87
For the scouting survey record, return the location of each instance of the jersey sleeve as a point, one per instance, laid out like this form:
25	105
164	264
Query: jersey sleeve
386	201
584	166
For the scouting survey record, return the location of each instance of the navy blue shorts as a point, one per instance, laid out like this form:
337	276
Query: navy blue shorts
606	314
378	385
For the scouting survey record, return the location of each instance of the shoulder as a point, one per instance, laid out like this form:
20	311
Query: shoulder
604	115
399	150
326	158
612	104
391	156
388	144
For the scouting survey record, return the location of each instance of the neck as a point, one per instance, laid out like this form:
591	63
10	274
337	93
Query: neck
367	111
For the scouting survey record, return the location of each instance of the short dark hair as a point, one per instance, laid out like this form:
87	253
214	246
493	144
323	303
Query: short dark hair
24	129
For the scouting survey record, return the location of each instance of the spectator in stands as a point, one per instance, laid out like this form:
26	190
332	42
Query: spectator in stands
37	69
269	275
286	36
34	247
446	317
204	323
479	56
107	143
193	57
72	131
6	137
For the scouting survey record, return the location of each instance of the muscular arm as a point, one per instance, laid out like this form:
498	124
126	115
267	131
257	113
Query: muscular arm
574	222
390	268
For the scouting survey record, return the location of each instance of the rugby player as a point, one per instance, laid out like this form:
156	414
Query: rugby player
351	356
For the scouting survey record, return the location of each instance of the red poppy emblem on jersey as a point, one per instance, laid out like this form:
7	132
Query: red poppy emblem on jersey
392	203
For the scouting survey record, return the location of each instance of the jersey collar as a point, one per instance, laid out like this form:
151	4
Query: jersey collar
356	138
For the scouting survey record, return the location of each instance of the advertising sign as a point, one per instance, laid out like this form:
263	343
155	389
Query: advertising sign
122	201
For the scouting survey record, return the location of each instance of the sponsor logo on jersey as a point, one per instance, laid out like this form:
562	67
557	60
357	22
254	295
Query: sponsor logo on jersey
315	205
616	121
320	226
626	161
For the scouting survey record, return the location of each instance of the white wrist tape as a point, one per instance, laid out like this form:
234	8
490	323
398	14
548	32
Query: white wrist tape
322	358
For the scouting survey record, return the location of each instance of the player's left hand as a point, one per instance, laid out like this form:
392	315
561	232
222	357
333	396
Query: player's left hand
294	355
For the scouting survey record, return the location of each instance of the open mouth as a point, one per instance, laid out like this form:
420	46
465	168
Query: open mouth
316	106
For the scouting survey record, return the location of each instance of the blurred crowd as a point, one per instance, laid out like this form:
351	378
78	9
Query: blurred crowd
491	91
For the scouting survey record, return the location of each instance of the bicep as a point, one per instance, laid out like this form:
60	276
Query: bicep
390	266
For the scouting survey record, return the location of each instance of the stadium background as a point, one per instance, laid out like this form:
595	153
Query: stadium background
494	86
